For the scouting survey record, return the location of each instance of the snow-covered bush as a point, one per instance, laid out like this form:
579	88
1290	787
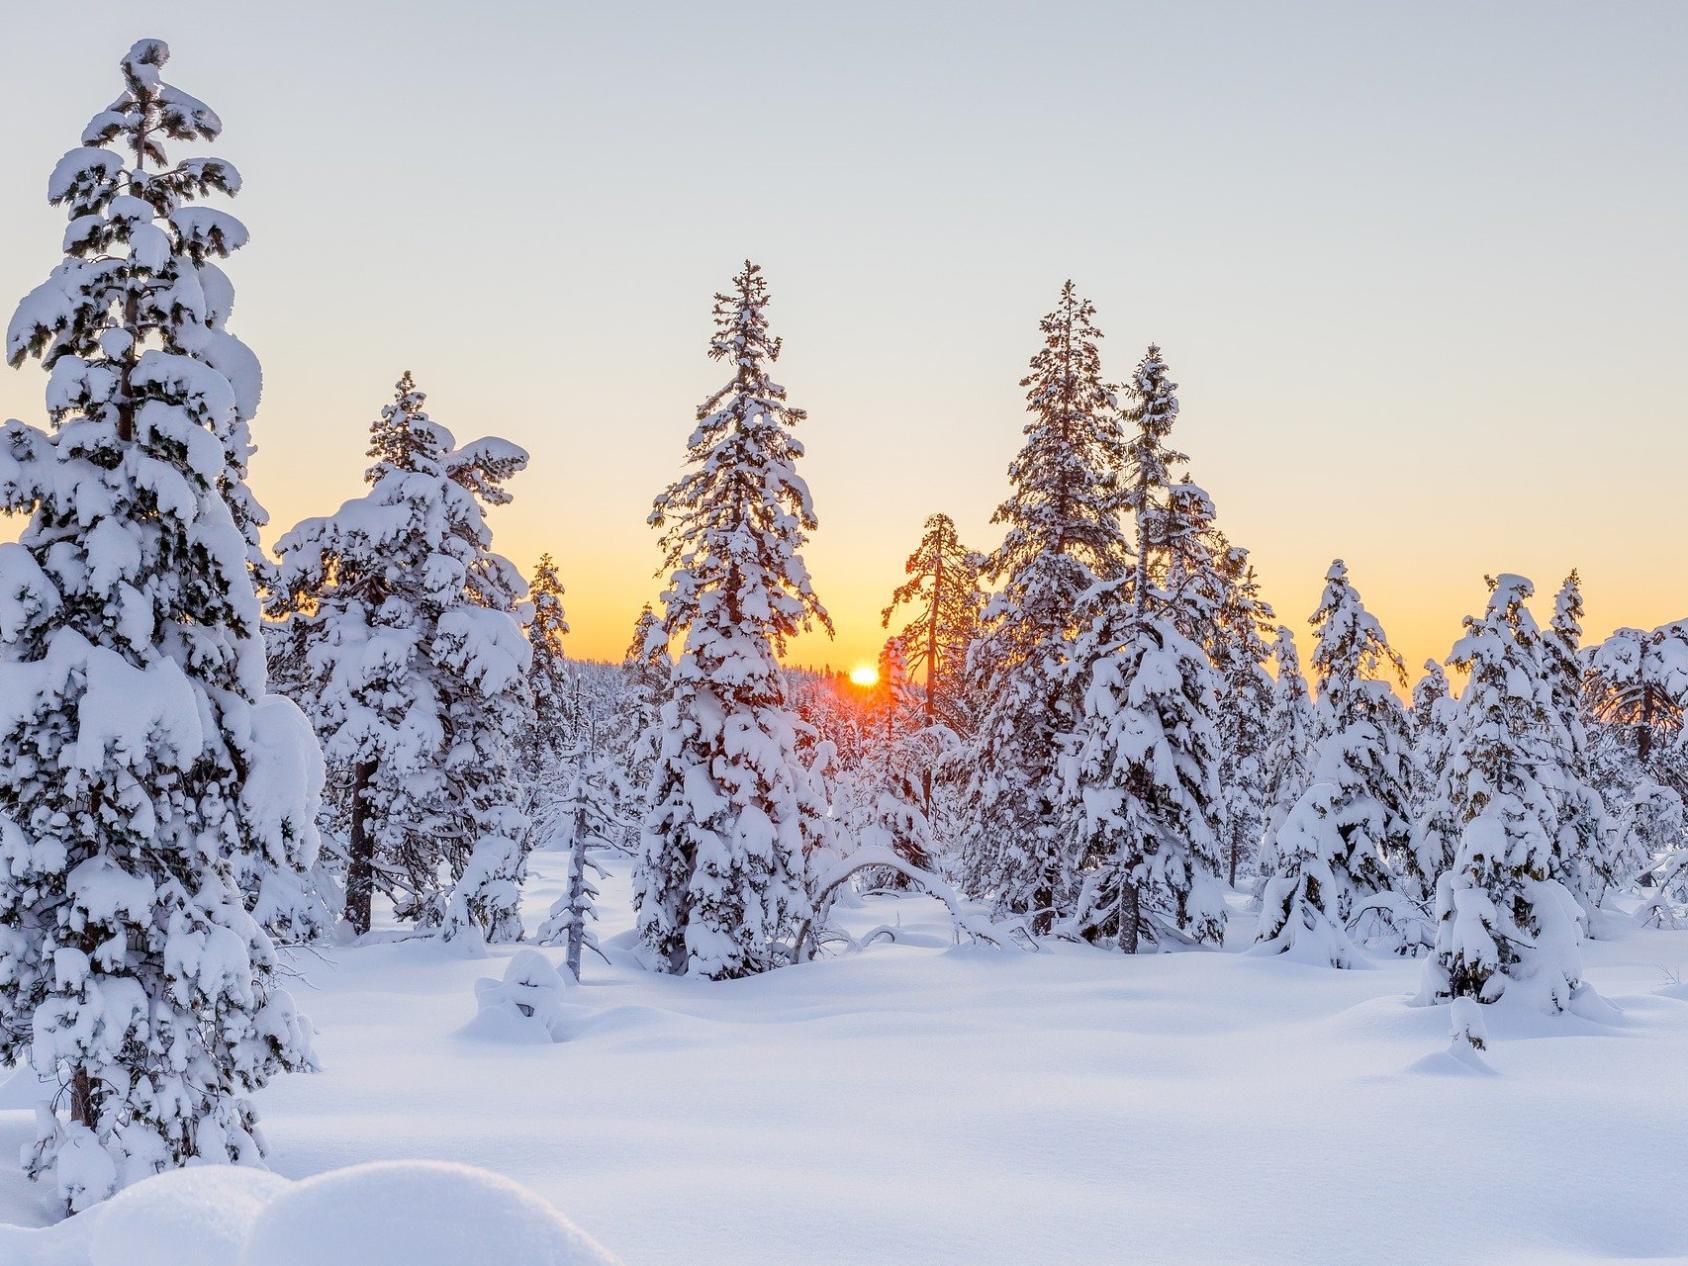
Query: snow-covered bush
529	1002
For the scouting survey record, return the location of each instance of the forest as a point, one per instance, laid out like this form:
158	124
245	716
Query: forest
229	753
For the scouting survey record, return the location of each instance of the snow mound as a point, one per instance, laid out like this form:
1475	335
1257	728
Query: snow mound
526	1006
1453	1062
185	1217
415	1213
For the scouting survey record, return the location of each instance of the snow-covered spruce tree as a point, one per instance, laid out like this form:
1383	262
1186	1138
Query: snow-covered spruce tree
1434	730
547	735
151	791
1504	924
1430	722
1063	535
1238	651
720	879
416	672
1362	745
1299	903
1141	772
1351	821
645	667
1143	782
1637	684
583	813
1288	762
1585	846
1650	843
1214	598
943	590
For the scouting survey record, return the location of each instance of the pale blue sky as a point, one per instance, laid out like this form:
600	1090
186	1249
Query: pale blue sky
1420	269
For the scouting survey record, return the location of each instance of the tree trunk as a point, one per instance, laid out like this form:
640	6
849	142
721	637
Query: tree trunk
932	632
82	1098
1043	907
1644	736
360	864
1235	841
932	664
1130	913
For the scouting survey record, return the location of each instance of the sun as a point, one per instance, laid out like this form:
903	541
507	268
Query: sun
864	675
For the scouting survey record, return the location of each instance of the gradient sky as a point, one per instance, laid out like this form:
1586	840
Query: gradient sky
1419	269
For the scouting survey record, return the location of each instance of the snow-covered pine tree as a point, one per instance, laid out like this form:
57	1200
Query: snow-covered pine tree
1362	745
1063	536
1290	748
1434	730
1141	795
1210	591
1238	650
1143	783
547	735
1301	900
584	814
1586	843
151	790
720	878
645	667
1429	722
895	703
1504	924
1637	684
1649	843
943	588
417	672
1351	822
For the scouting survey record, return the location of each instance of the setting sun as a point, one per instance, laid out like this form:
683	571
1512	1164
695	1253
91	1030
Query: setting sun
864	675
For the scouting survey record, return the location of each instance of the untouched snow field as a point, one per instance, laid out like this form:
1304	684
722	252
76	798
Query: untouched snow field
927	1103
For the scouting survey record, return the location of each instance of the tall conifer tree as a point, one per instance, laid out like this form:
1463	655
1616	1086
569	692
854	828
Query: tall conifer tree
733	807
548	732
1142	792
1290	749
1435	741
1586	845
1063	535
943	589
150	788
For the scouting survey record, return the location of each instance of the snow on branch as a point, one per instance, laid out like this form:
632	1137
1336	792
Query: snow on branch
870	857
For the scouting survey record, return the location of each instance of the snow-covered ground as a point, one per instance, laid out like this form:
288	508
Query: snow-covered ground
927	1103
